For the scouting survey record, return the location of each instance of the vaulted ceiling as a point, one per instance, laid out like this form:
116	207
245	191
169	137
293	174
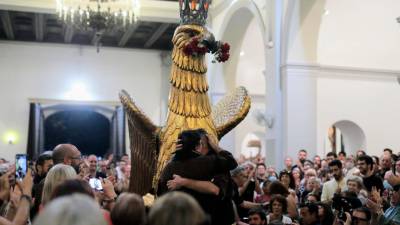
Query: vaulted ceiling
28	25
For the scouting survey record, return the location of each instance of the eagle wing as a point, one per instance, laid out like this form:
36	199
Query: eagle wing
144	141
231	110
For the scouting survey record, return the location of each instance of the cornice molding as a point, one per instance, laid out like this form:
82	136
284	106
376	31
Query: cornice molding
340	72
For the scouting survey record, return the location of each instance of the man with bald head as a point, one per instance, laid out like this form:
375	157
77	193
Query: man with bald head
67	154
93	168
385	164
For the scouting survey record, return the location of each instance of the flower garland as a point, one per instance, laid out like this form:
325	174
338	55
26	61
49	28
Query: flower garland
196	48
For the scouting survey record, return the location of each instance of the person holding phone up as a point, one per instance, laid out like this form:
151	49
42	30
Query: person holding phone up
22	192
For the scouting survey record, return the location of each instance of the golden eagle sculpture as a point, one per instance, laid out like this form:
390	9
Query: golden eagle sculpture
189	105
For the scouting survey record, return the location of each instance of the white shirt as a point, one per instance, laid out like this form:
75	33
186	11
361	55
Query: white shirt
285	220
330	187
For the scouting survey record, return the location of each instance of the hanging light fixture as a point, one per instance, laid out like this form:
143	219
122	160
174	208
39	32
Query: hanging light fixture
98	16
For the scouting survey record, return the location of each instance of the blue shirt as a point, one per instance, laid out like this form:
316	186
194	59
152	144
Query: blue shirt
391	216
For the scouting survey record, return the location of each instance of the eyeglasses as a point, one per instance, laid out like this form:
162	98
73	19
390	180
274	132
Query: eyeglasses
78	157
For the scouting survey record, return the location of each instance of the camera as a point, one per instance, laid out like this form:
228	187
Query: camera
344	204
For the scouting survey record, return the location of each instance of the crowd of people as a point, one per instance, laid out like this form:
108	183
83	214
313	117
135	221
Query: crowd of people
204	184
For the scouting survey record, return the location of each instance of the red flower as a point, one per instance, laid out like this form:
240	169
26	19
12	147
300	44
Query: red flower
195	48
225	47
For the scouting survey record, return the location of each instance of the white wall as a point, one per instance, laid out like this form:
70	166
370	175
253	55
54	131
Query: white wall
300	88
343	61
359	33
32	70
303	34
368	102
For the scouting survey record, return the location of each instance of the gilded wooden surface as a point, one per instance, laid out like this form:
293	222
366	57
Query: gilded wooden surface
188	108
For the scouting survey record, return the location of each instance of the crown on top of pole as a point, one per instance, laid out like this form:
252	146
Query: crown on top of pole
194	11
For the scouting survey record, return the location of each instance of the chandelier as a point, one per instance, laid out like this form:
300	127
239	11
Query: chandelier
98	16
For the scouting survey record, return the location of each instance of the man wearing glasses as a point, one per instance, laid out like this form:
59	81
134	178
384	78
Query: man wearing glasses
67	154
360	216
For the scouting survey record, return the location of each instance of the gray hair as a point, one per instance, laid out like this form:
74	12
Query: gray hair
176	208
238	170
356	179
316	180
76	209
56	175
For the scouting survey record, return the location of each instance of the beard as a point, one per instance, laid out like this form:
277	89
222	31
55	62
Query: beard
337	176
76	168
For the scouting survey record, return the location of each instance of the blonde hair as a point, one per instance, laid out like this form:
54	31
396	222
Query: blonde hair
55	176
76	209
176	208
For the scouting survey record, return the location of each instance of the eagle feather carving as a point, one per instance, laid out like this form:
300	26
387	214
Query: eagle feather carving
188	108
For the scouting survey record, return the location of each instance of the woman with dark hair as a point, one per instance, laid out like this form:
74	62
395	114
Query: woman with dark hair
277	207
265	195
277	188
189	141
287	179
325	213
196	169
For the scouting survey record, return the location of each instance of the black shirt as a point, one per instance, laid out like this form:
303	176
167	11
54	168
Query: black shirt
373	181
223	213
100	175
198	167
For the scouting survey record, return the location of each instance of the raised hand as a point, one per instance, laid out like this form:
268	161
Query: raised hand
26	184
373	206
15	196
375	195
108	189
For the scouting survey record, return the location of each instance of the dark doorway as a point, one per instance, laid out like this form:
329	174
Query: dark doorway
93	128
87	130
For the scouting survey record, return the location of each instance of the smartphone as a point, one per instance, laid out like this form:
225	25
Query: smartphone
95	184
21	166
